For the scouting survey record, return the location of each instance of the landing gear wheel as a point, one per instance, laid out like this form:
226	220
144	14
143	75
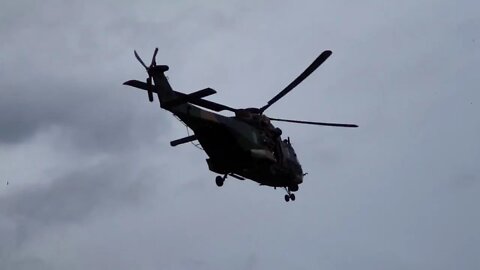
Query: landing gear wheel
219	181
289	196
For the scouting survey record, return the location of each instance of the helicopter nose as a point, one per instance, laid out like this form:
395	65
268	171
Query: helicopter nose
299	179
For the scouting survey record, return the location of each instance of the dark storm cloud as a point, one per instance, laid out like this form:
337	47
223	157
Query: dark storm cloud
91	115
72	197
67	81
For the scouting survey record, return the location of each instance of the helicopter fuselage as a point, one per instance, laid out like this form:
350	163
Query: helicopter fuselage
239	147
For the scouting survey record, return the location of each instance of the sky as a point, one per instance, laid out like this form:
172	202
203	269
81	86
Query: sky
94	184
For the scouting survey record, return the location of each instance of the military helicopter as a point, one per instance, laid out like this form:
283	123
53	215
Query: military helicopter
244	146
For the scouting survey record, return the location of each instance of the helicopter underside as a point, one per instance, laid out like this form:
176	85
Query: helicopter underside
257	171
230	156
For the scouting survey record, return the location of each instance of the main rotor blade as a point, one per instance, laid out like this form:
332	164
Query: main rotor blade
313	66
314	123
140	59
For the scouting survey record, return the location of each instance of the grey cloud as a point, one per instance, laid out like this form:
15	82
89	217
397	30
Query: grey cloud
71	198
400	192
25	263
89	119
466	180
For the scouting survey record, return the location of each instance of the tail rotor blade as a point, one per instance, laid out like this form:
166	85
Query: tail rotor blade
140	59
150	93
154	63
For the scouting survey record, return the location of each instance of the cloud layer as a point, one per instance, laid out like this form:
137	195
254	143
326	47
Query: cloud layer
93	183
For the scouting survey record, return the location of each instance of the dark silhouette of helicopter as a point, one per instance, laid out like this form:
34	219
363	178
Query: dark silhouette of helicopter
243	146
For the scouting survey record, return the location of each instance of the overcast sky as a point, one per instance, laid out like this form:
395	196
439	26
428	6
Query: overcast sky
94	184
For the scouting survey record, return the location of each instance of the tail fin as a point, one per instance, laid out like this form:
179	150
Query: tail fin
161	87
167	97
164	91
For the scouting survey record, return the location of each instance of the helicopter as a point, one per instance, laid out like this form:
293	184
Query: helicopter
243	146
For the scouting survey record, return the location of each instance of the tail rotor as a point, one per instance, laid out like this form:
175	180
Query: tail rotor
152	64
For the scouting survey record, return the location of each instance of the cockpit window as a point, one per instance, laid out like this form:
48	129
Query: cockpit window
290	157
292	152
288	151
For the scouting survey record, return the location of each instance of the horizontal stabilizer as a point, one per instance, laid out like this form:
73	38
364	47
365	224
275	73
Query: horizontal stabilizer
194	98
191	98
188	139
202	93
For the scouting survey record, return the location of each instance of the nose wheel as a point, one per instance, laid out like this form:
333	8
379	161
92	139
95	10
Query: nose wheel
289	196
